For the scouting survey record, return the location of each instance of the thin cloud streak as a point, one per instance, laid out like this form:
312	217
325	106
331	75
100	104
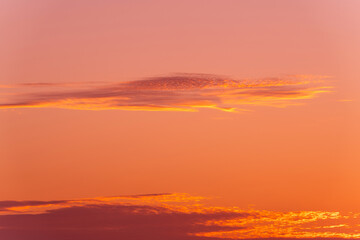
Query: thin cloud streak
165	216
178	92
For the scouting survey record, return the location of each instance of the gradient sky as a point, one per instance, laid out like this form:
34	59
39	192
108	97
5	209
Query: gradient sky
249	103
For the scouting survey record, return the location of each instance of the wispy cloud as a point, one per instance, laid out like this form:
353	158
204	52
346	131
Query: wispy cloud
163	217
178	92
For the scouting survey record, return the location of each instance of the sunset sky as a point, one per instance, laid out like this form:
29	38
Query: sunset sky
223	119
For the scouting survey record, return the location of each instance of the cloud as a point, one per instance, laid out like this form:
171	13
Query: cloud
5	205
165	216
178	92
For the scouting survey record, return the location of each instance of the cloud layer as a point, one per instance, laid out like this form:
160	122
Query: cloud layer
164	217
178	92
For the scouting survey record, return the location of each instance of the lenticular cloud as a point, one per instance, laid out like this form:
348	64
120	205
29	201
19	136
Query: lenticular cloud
178	92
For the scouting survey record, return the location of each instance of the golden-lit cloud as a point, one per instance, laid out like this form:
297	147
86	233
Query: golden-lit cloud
179	92
165	216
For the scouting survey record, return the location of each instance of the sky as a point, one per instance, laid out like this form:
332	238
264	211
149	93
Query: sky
222	119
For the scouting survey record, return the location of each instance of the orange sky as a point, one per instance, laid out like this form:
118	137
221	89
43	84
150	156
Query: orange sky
246	102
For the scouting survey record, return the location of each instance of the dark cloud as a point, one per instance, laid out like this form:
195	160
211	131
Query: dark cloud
163	217
109	222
